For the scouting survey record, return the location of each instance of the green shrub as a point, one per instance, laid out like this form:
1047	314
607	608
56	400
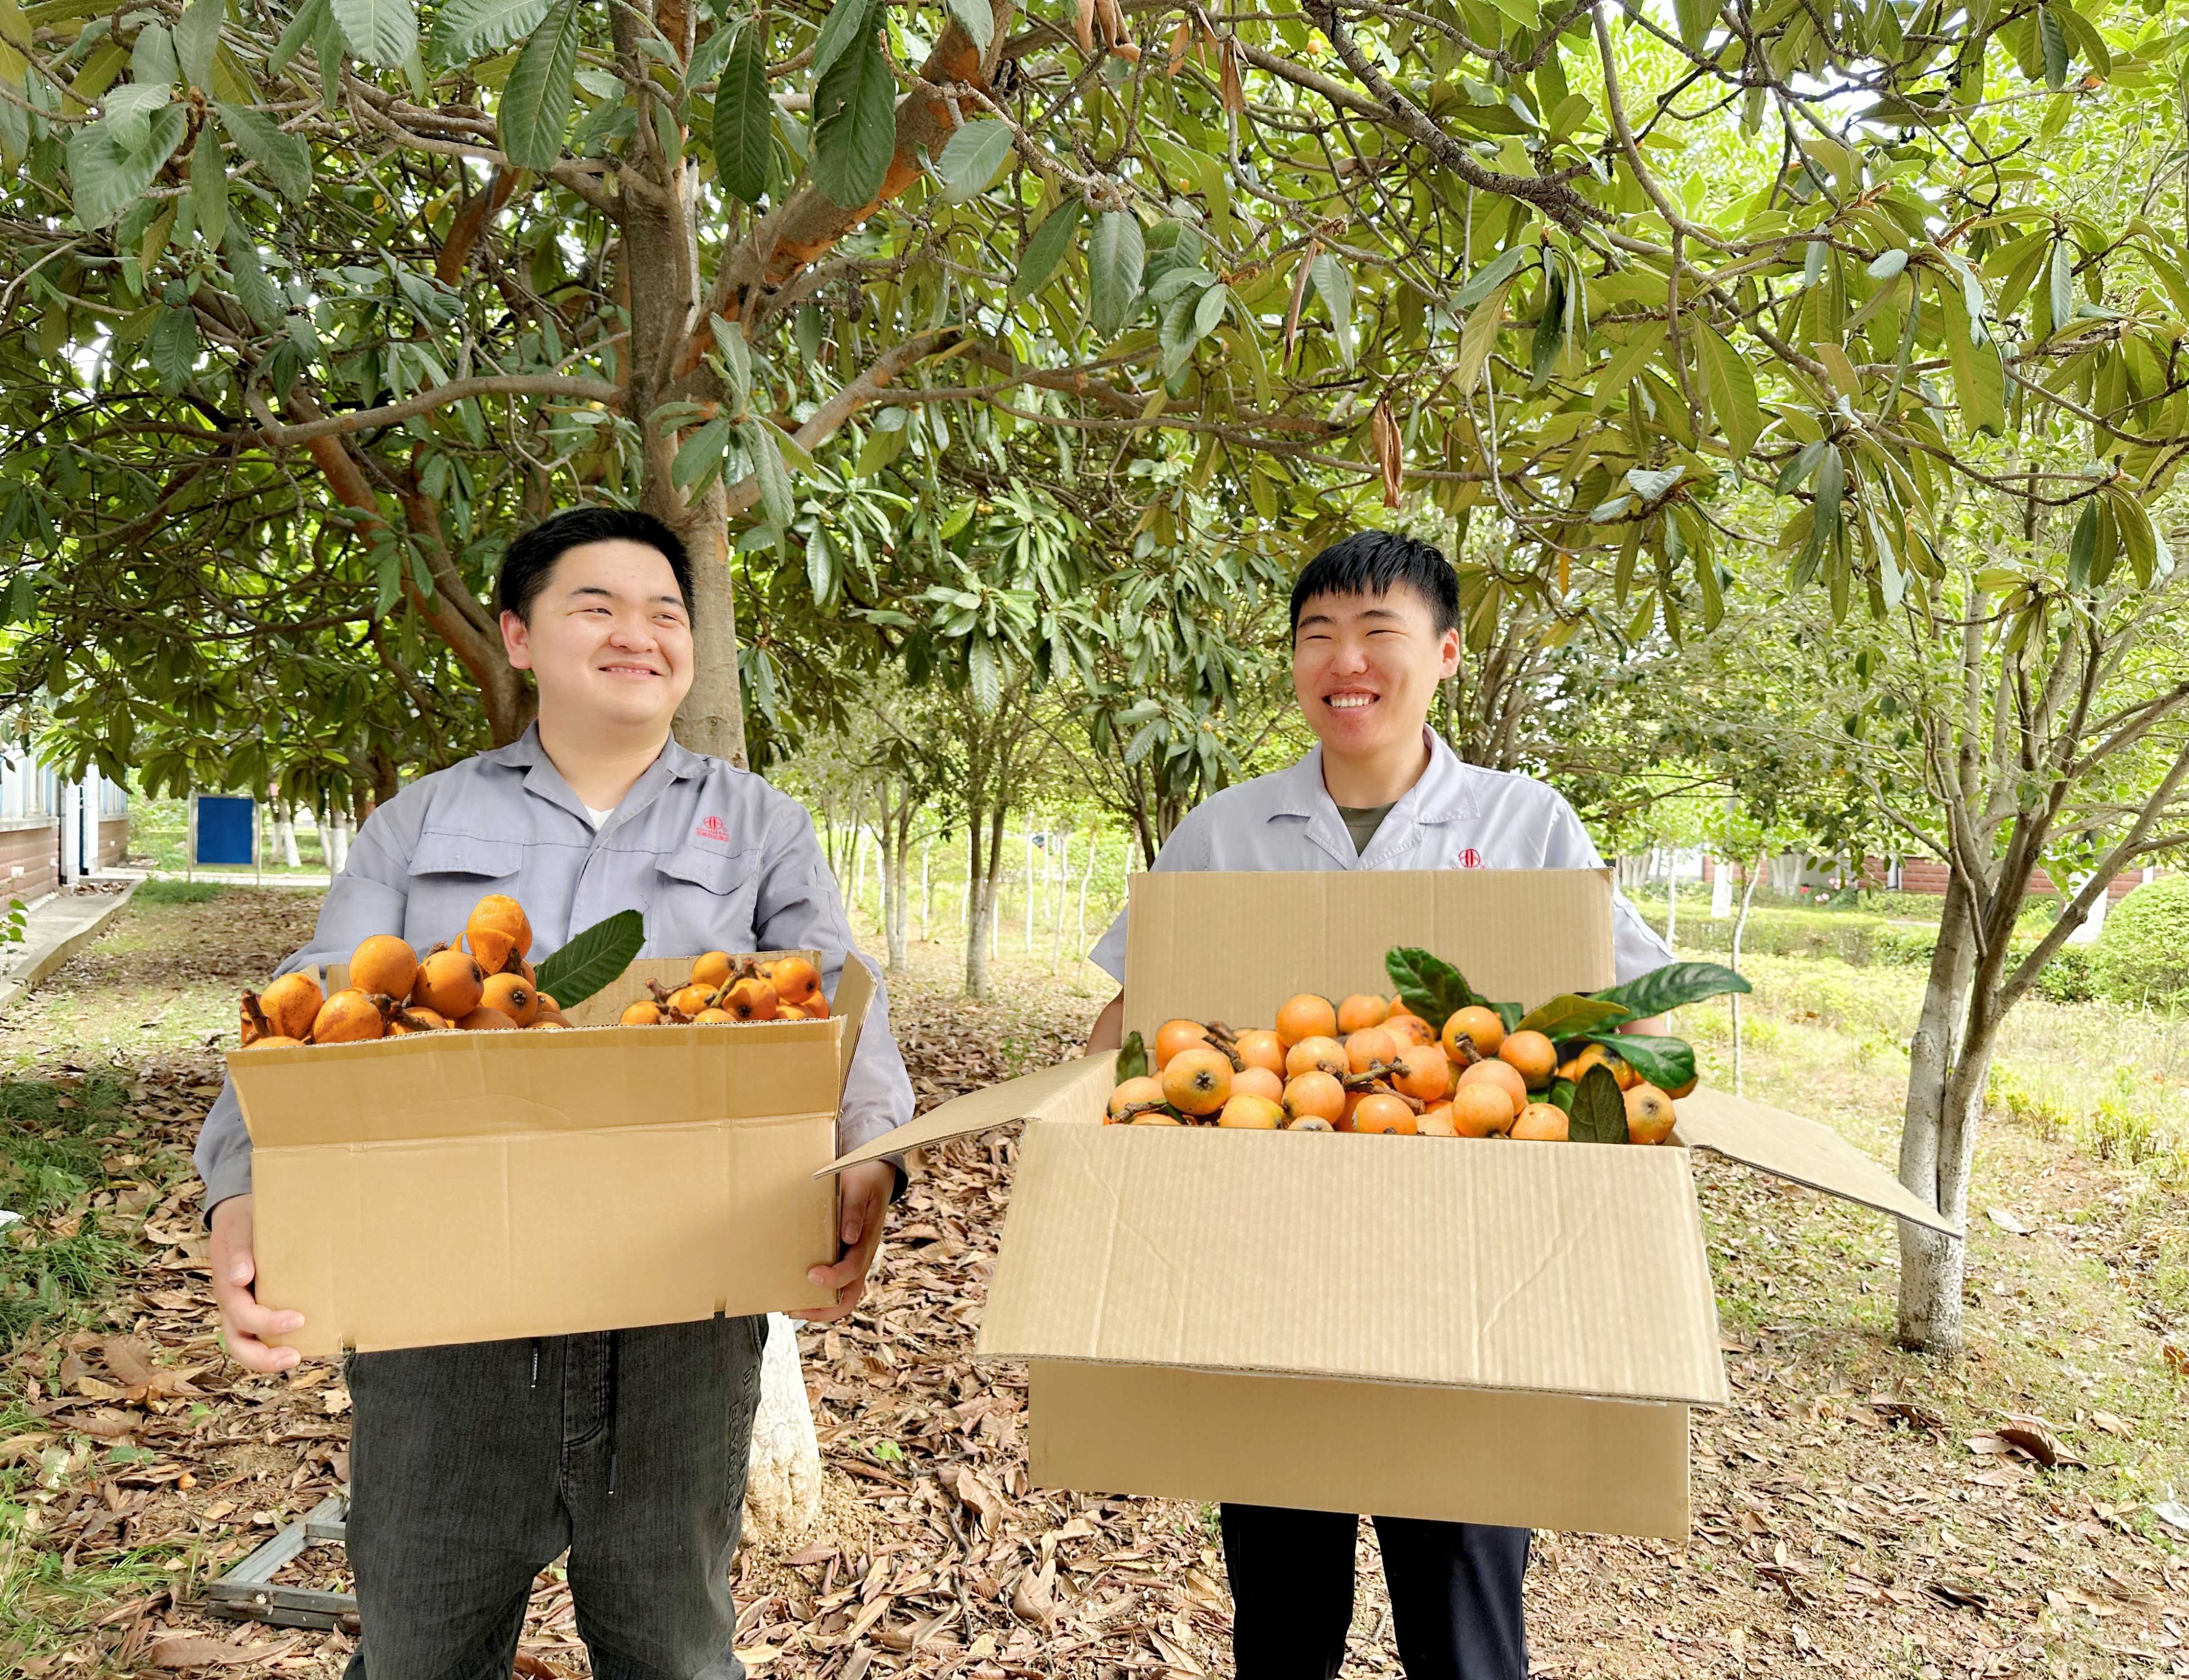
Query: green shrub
2067	978
163	890
2143	957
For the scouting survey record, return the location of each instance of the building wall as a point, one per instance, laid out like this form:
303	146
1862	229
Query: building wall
31	845
1927	875
113	841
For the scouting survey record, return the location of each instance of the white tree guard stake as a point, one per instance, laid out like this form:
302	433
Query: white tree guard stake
782	1481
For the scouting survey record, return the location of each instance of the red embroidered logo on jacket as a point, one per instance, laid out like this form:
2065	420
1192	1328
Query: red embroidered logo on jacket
714	828
1470	859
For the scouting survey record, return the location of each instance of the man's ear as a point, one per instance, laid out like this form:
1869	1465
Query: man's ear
1448	655
516	641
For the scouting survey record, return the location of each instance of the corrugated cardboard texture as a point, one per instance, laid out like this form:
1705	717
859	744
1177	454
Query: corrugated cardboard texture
454	1187
1072	1090
1787	1147
1232	948
1455	1455
478	1240
1414	1260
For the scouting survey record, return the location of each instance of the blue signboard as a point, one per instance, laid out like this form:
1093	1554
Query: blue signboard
226	826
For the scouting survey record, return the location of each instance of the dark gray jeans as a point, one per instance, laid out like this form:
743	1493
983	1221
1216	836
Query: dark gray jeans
473	1467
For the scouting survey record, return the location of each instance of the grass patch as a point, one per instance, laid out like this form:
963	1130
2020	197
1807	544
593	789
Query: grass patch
163	890
50	1135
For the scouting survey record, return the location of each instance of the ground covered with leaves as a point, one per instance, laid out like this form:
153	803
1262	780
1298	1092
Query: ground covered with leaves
1856	1508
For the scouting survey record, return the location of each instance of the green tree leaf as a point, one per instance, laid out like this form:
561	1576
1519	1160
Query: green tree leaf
1045	248
1673	986
253	290
285	157
592	959
1432	988
174	348
1667	1063
105	180
972	157
2052	42
976	19
1569	1015
1979	376
378	31
197	37
1731	385
536	99
465	29
762	443
1334	286
1116	260
1133	1058
745	116
848	22
1598	1114
854	124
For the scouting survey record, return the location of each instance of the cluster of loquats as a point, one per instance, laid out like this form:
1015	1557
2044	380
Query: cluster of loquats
1378	1064
481	983
725	990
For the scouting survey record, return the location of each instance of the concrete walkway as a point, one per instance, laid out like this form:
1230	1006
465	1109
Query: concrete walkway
58	928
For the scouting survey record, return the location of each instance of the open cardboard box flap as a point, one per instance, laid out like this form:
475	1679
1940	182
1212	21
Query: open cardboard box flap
1510	1266
1787	1147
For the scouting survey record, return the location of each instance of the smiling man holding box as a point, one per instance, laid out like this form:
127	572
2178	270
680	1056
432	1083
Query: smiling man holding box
473	1467
1375	628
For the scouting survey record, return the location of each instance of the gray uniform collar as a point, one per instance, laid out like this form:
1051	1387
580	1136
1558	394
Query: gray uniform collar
1444	793
676	763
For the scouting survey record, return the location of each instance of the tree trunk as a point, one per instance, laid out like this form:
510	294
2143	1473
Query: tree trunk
900	894
783	1480
1028	848
1933	1137
1671	896
285	834
927	886
978	910
1740	927
1086	874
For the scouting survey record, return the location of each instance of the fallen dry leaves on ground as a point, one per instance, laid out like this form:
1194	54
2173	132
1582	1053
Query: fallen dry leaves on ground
1837	1526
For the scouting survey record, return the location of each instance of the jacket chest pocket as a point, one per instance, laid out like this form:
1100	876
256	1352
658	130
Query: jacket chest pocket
703	901
449	873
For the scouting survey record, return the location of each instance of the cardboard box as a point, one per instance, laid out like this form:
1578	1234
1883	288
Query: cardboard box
1471	1330
445	1187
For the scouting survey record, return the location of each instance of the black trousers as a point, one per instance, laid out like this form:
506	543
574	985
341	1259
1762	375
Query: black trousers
1455	1594
473	1467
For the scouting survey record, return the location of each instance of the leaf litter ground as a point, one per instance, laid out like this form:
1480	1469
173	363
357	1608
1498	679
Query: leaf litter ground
1857	1509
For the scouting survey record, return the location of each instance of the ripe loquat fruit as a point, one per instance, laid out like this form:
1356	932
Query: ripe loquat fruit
1649	1115
1361	1010
1198	1081
1532	1056
1307	1015
1318	1051
1499	1076
1542	1123
1482	1028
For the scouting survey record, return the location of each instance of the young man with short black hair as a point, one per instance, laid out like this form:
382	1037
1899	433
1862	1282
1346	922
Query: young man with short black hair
1375	628
474	1466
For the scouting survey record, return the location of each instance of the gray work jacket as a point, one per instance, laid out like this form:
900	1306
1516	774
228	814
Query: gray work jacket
1458	816
711	855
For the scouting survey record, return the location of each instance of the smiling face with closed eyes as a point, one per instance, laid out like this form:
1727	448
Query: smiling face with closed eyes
1364	669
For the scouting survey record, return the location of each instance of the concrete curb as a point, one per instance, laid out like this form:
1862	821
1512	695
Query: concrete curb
43	962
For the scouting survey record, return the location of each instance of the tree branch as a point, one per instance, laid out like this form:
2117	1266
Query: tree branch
454	391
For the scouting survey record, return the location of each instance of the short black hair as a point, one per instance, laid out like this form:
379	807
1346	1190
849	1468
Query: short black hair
532	557
1374	562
